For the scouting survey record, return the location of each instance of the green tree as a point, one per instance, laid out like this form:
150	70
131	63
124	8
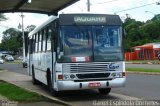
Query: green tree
133	36
139	33
30	28
11	40
2	17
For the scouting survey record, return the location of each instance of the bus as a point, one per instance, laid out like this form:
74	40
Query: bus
77	52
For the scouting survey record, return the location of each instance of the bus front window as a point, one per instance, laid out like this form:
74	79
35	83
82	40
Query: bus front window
98	43
107	43
77	42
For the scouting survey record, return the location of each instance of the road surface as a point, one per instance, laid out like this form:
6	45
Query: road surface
138	86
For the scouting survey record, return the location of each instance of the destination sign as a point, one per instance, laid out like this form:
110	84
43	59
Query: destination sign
82	19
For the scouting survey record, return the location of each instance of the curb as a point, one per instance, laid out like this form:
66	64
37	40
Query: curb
50	98
146	73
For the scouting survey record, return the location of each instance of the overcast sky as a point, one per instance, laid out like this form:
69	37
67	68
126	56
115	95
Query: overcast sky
97	6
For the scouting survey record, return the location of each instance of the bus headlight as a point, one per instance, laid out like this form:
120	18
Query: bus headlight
121	74
72	76
66	76
69	76
117	74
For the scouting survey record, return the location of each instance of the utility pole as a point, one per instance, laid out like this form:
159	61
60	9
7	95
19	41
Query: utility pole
24	55
88	5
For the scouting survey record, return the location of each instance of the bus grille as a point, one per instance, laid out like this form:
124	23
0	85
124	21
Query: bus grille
86	68
93	75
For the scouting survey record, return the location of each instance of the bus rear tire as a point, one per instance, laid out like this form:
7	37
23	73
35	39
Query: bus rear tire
104	91
34	81
50	87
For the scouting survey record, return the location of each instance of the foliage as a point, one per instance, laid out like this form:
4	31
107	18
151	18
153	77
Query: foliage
2	17
15	93
139	33
30	28
143	70
11	40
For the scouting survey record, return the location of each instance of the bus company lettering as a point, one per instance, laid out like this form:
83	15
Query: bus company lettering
90	19
113	66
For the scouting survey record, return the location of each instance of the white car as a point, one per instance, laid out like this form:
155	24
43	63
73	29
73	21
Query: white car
9	58
1	61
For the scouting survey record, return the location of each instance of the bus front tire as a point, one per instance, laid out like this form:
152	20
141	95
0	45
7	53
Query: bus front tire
34	81
104	91
50	87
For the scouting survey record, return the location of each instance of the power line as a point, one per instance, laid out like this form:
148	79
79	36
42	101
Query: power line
137	7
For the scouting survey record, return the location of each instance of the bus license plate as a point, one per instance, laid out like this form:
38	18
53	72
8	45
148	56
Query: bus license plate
94	84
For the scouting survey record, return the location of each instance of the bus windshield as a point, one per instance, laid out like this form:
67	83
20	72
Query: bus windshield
98	43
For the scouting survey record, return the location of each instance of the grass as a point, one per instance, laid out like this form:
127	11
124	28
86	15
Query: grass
14	62
143	70
15	93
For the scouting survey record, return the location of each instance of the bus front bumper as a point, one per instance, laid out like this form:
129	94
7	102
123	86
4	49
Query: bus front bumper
71	85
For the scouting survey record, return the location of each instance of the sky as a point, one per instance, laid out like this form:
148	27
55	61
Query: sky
97	6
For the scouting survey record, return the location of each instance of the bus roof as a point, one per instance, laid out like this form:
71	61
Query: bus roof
82	19
42	26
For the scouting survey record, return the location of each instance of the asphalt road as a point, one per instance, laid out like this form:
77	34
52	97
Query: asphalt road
14	68
138	85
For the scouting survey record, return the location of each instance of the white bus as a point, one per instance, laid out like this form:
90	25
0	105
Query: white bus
78	51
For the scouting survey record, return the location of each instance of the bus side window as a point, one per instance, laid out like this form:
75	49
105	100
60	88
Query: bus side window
44	41
33	43
30	46
42	33
55	36
49	39
36	43
40	39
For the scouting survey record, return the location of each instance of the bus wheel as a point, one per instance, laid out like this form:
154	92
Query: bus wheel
104	91
34	81
50	87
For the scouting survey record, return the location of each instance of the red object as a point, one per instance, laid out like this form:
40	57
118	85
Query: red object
94	84
123	74
86	59
60	77
144	52
73	59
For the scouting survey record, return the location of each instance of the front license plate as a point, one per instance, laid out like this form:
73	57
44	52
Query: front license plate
94	84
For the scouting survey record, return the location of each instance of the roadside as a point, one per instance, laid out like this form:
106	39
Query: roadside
13	62
147	73
149	69
143	62
143	71
24	81
15	93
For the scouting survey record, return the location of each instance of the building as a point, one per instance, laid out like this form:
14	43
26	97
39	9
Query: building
148	51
